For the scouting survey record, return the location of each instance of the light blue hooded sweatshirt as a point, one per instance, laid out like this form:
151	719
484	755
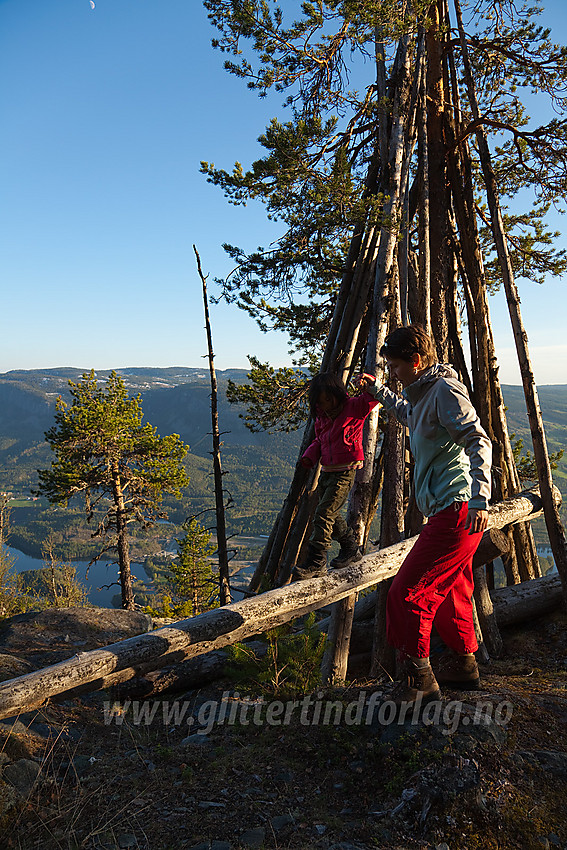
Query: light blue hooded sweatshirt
452	453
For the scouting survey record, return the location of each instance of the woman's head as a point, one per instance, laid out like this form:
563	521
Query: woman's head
326	392
408	351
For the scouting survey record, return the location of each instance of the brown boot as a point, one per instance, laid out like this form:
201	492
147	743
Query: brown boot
417	684
458	671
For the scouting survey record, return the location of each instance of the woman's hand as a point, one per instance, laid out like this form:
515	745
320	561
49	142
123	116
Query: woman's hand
363	380
477	520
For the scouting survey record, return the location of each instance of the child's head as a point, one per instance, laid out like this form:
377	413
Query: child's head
405	343
326	392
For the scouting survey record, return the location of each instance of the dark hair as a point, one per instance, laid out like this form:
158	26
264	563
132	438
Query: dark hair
325	382
404	343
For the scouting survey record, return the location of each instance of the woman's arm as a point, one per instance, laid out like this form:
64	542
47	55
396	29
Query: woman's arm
388	399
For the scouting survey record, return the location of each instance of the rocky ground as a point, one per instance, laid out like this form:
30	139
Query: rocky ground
333	772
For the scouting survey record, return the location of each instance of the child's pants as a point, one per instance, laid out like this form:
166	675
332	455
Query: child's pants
328	522
435	583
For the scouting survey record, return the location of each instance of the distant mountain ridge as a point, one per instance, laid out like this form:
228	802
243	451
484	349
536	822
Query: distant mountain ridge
176	400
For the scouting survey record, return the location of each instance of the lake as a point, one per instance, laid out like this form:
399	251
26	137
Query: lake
104	572
101	573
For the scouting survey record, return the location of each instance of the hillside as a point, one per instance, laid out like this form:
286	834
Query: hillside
176	400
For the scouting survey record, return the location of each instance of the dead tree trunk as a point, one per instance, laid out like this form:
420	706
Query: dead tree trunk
224	579
552	519
438	197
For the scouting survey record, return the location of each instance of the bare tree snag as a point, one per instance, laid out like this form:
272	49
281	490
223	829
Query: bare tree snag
335	659
552	519
224	580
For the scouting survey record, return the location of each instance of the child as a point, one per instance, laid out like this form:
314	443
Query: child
339	420
452	487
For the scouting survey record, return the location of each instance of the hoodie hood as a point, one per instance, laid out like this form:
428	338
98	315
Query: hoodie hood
439	370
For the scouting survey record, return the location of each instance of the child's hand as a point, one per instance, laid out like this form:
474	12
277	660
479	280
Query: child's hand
307	463
363	380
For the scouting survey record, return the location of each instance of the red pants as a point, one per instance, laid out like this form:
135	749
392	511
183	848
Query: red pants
435	583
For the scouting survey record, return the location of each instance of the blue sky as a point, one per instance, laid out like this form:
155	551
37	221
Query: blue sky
106	115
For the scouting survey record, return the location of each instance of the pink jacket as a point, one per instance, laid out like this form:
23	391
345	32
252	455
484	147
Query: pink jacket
339	441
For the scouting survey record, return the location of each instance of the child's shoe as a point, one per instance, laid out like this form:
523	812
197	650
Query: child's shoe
349	554
309	570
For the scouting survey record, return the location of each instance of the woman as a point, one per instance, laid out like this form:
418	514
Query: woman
452	456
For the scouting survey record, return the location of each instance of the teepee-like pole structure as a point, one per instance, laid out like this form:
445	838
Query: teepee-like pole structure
422	262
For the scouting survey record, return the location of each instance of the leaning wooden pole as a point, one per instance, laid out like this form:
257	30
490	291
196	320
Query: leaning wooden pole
555	529
224	580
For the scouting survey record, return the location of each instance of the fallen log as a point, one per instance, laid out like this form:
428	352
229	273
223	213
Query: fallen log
527	600
512	605
223	626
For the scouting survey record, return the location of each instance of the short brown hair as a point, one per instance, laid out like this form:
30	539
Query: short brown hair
404	343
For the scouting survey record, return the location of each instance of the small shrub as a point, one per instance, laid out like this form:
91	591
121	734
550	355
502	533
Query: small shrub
290	666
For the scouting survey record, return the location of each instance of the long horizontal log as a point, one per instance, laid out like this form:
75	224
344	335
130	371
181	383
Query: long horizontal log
527	600
227	625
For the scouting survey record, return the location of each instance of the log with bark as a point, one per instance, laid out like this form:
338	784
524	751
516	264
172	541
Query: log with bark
229	624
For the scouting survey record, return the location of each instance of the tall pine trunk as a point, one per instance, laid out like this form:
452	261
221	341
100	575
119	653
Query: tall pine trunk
551	512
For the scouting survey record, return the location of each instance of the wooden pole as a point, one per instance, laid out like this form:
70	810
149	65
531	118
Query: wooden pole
555	529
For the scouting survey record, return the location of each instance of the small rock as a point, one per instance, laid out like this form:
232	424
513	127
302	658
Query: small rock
211	845
13	727
442	846
196	740
554	839
9	797
320	828
43	730
208	804
343	845
280	822
253	837
391	733
22	774
284	776
10	667
553	761
127	840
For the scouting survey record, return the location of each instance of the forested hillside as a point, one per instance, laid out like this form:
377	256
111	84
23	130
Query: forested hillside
176	400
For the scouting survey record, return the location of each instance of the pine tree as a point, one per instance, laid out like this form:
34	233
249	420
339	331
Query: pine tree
121	466
194	585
